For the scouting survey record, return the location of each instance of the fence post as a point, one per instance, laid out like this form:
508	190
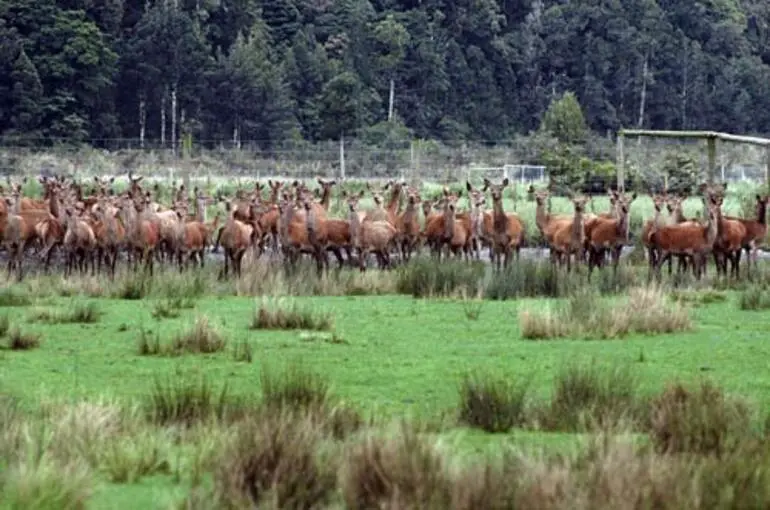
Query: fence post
712	158
342	158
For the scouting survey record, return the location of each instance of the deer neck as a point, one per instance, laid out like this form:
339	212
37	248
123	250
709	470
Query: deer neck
449	223
53	205
355	226
311	220
679	215
395	203
762	213
200	211
499	218
541	217
578	229
712	229
326	198
16	209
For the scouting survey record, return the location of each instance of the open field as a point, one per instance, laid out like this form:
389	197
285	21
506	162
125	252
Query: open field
105	380
430	384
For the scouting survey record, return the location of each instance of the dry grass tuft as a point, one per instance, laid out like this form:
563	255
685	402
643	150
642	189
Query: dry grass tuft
20	341
277	313
202	338
491	403
701	420
645	311
275	460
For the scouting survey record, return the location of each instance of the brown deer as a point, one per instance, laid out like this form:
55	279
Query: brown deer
408	226
756	231
569	238
729	241
609	235
507	229
481	222
235	237
142	234
110	236
79	244
317	234
548	223
18	233
369	236
695	241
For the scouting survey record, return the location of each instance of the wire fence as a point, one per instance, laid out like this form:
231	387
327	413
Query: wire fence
520	159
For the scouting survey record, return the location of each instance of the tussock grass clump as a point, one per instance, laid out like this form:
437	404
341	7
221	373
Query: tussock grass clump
423	277
403	469
275	459
294	387
81	313
698	297
491	403
201	338
10	297
298	389
5	325
585	397
183	401
585	315
530	278
700	420
171	307
21	341
242	351
269	278
132	286
277	313
754	298
148	344
127	459
43	484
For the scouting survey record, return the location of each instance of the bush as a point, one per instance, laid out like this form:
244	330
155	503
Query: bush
278	314
400	470
19	341
645	311
10	297
186	402
491	403
274	459
294	388
423	277
754	298
585	397
81	313
202	338
700	421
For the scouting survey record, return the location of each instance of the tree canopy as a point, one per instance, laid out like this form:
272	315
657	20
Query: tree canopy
478	70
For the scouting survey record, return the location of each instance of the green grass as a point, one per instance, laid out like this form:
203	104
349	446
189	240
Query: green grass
401	357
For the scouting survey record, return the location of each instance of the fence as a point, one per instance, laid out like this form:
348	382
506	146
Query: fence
519	159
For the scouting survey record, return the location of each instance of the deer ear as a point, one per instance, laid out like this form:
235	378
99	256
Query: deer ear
468	186
344	193
361	194
505	182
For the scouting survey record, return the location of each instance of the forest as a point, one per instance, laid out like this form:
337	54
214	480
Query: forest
273	72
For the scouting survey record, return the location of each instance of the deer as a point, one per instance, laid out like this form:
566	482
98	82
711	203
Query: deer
408	226
481	221
756	231
110	236
142	234
729	241
317	234
609	234
695	241
369	236
507	229
235	237
18	233
569	237
79	243
547	223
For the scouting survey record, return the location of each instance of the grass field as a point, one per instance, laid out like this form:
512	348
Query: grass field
109	402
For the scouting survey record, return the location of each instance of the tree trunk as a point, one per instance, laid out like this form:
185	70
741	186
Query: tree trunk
163	117
173	118
391	99
142	119
643	95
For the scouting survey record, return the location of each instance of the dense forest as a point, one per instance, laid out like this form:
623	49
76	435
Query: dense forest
274	71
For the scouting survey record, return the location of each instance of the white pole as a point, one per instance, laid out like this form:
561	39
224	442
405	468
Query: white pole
342	158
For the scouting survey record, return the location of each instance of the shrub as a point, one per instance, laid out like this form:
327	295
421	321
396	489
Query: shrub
294	387
585	397
200	339
19	341
399	470
279	314
491	403
242	351
274	458
186	402
128	459
423	277
45	485
697	298
132	286
5	324
80	314
148	344
11	297
754	298
701	421
645	311
529	278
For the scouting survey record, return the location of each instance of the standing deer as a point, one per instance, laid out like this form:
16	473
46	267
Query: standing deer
507	229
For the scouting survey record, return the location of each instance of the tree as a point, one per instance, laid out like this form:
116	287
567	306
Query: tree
564	120
26	97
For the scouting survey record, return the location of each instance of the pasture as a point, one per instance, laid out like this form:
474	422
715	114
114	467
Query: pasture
425	385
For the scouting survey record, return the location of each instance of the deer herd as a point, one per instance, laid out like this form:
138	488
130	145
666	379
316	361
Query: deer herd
292	220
